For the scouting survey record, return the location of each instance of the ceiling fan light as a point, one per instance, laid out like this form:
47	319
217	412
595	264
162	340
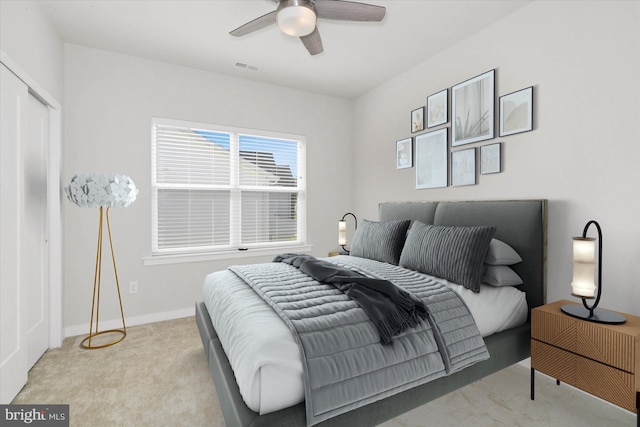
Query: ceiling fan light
296	20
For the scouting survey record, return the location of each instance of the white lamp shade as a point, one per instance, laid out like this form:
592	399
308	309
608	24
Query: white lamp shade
584	254
584	249
94	190
342	233
296	20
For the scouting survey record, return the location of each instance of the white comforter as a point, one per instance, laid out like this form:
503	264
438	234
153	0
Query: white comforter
265	357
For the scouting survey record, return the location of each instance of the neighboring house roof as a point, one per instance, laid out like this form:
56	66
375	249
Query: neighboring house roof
266	161
264	168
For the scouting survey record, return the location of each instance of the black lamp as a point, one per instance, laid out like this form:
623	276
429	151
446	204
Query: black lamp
583	283
342	231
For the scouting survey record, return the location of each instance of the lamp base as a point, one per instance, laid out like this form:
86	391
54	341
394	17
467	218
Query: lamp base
86	342
599	315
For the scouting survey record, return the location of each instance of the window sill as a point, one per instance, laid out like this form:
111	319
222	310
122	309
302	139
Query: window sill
213	256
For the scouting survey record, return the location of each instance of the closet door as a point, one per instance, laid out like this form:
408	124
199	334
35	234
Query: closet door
35	256
13	319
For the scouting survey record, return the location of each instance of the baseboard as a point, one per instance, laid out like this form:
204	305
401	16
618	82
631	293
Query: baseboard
72	331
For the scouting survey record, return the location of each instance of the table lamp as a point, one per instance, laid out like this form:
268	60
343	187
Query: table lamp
583	284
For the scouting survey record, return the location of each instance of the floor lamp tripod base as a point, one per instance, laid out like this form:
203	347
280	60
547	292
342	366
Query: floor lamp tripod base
86	342
121	333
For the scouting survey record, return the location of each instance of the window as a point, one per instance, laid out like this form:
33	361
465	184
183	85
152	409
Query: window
219	189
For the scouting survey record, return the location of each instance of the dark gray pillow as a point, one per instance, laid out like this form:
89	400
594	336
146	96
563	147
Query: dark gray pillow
453	253
380	241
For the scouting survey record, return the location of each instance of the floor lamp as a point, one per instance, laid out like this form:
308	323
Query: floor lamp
102	191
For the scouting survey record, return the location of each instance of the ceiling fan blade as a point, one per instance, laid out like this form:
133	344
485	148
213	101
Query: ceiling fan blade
349	11
313	42
255	25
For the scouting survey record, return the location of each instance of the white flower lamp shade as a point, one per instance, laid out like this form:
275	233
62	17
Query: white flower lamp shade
583	284
95	190
102	190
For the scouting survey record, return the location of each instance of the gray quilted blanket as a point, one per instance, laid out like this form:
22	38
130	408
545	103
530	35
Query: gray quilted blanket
345	366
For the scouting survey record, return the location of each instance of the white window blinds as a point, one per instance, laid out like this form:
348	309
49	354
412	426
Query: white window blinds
218	188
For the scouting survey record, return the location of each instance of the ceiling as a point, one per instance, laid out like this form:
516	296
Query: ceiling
357	57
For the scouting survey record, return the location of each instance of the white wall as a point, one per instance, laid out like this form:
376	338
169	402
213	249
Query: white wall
110	100
583	59
28	38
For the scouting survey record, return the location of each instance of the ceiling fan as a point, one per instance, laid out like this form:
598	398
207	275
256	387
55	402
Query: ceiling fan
298	18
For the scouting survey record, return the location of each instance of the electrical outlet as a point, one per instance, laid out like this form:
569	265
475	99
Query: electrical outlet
133	287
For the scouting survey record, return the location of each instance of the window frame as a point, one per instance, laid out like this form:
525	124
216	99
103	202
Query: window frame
234	250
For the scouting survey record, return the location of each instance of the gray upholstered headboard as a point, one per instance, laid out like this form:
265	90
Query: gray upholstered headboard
520	223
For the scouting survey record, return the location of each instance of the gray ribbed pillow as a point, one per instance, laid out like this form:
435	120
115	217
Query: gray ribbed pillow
380	241
450	252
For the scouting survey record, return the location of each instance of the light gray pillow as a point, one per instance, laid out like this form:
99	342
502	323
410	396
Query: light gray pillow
501	253
381	241
501	275
449	252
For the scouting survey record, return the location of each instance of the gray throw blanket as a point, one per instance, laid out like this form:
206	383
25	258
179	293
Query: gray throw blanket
391	309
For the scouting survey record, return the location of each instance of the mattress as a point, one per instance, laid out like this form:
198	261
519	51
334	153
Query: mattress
265	357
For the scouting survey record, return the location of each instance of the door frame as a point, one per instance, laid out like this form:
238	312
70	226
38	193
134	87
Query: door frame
54	214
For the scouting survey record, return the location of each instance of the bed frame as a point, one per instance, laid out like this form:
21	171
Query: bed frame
520	223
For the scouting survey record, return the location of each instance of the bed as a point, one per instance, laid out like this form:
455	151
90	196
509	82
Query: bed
520	223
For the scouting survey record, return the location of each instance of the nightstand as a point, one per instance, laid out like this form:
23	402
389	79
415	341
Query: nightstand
603	360
336	253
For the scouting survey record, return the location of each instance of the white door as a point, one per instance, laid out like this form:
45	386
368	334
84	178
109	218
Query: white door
34	262
13	319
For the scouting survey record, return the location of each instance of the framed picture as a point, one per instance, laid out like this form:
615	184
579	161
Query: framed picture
516	112
417	119
463	167
490	161
432	159
437	108
472	109
404	154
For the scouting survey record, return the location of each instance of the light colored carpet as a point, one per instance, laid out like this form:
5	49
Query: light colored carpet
158	376
502	399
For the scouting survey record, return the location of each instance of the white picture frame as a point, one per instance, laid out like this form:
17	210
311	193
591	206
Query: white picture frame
463	167
404	153
432	160
472	111
490	158
438	108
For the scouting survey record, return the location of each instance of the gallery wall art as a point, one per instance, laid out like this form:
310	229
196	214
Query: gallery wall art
463	114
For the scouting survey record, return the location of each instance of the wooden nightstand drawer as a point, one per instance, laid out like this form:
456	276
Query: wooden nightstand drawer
553	361
591	340
600	359
606	382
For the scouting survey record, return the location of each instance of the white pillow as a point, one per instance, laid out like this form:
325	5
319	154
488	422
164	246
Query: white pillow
501	275
500	253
